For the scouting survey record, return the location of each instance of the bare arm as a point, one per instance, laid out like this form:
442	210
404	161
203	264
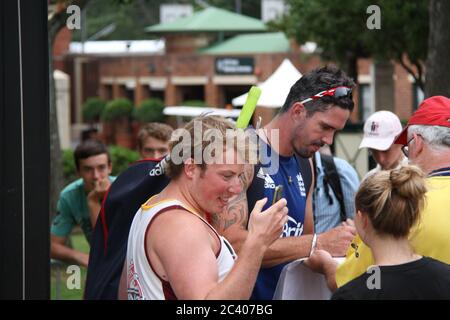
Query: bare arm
194	254
59	250
232	224
233	221
322	262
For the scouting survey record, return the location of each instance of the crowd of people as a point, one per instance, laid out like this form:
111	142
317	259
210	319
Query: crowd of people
216	231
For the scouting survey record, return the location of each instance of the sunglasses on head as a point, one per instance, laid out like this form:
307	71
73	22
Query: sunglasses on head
337	92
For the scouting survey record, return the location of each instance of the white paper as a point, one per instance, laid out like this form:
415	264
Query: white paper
298	282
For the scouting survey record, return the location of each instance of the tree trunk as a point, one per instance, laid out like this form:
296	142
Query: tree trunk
55	24
352	66
56	176
438	59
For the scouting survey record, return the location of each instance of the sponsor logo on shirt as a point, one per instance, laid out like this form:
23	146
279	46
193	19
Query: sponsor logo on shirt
261	174
134	287
268	182
292	228
156	171
301	185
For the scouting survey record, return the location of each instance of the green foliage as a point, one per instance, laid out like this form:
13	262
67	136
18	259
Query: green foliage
69	168
404	29
122	158
150	110
194	103
339	28
130	17
59	277
117	108
93	108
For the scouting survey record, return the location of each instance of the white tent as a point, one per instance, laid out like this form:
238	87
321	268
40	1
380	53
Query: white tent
276	88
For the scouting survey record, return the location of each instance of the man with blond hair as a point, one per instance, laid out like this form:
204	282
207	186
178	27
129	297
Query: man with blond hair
153	140
173	250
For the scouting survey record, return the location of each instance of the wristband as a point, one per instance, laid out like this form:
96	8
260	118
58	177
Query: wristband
313	244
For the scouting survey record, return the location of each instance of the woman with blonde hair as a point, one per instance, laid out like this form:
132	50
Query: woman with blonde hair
388	206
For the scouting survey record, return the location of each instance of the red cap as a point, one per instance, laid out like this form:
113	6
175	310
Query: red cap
434	111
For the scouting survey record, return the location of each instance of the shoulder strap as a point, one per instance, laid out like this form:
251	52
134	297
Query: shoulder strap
332	178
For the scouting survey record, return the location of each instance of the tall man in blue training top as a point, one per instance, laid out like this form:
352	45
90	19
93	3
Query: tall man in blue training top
318	105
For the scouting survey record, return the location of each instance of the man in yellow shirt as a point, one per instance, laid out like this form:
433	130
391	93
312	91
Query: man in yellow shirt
426	142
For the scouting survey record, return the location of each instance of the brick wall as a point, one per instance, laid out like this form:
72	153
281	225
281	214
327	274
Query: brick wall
195	65
61	47
403	93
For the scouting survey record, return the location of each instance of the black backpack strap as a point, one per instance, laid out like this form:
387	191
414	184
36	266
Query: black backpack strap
332	179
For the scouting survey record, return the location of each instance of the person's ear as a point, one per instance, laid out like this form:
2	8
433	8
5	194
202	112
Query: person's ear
419	144
189	168
362	217
297	111
109	168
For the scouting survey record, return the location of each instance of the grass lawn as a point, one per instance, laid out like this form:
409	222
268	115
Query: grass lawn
59	289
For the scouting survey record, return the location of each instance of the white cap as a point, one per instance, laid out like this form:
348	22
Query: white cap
380	130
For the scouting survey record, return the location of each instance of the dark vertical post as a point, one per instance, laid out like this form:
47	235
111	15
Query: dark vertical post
24	150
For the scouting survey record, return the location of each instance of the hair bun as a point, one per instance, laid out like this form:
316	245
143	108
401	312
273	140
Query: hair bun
407	181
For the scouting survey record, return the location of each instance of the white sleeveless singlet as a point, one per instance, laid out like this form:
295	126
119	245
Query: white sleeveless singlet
142	281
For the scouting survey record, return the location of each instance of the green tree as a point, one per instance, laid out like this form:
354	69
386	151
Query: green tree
150	110
92	109
117	108
340	30
121	159
127	19
130	17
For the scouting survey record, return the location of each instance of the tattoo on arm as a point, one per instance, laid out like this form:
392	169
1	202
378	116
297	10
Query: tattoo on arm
236	212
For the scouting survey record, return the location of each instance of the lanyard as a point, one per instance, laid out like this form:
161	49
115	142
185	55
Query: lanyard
440	172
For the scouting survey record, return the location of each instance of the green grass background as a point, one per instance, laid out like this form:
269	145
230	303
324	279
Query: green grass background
78	242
